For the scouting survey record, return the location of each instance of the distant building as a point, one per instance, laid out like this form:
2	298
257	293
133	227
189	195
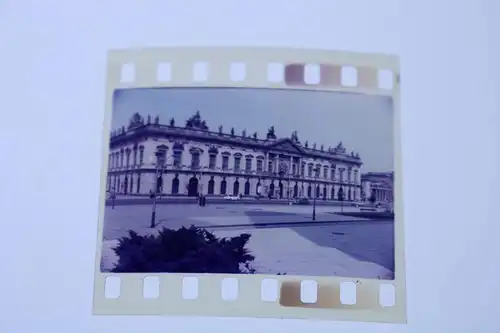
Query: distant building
193	159
379	184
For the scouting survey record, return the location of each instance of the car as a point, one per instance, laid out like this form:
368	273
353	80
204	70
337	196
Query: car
232	197
302	201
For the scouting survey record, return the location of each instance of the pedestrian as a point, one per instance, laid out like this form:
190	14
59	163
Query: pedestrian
113	197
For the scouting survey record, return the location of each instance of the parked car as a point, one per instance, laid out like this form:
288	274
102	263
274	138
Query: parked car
302	201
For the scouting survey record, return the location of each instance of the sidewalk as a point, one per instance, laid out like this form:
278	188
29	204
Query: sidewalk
274	254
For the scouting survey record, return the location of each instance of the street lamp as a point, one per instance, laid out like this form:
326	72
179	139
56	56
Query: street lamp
200	189
315	193
160	154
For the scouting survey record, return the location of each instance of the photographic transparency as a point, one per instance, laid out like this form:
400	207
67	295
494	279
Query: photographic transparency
251	182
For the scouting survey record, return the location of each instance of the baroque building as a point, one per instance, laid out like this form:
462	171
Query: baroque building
189	159
378	184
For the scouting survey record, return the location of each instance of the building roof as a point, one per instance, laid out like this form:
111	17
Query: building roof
197	129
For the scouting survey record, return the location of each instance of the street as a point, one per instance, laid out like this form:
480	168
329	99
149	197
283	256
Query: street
145	200
284	238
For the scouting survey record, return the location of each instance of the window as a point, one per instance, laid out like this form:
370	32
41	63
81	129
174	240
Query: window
332	173
270	166
303	169
161	158
294	169
121	158
110	161
325	172
341	174
248	164
349	174
195	160
128	157
212	161
310	170
135	156
141	155
177	158
237	161
225	163
356	177
317	171
259	166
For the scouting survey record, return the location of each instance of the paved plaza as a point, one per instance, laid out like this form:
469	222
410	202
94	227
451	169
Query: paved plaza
284	238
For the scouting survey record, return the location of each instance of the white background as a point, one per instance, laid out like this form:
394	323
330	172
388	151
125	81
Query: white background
52	69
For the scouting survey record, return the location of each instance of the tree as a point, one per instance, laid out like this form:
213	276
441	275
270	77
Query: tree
184	250
255	135
232	131
172	122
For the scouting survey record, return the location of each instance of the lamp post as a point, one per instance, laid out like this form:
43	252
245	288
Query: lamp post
315	193
200	189
159	171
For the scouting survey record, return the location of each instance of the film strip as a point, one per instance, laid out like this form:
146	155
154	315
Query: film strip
254	295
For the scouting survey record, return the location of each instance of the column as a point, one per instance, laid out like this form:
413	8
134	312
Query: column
289	180
299	167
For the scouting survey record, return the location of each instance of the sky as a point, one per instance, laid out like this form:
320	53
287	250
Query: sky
363	123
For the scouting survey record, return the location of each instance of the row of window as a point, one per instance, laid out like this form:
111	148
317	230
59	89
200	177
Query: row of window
119	159
116	160
126	186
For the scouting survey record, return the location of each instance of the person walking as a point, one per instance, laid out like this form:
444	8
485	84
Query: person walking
112	196
201	195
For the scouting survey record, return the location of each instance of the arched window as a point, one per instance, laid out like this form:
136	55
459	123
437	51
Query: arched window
236	187
247	187
175	185
223	186
211	185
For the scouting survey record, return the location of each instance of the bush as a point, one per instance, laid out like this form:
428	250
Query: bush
185	250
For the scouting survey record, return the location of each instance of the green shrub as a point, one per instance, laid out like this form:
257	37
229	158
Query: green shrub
185	250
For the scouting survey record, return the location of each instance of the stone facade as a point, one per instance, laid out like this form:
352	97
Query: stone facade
379	184
191	159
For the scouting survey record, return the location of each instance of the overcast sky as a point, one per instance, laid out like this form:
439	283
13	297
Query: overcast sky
363	123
